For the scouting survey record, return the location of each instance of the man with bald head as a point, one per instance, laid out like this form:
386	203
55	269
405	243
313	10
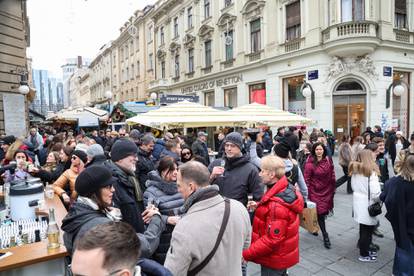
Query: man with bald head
197	233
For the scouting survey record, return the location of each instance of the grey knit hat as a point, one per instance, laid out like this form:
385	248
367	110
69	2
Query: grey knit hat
234	138
94	150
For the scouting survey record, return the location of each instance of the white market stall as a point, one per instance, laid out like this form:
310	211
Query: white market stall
83	116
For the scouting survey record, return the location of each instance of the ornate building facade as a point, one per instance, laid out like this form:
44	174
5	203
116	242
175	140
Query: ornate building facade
347	64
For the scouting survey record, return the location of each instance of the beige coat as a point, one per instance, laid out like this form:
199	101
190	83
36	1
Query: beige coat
196	233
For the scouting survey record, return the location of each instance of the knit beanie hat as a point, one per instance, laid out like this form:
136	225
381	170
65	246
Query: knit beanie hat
123	148
282	149
81	146
234	138
81	154
90	180
95	150
135	134
8	140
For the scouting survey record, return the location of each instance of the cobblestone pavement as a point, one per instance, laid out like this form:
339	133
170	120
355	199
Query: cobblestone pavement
342	258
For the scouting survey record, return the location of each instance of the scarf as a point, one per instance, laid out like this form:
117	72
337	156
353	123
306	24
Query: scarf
200	195
114	214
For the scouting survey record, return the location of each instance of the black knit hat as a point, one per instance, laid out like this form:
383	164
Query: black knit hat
282	149
81	154
234	138
123	148
90	180
8	140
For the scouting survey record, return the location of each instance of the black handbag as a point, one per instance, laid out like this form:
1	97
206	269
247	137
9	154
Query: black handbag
374	209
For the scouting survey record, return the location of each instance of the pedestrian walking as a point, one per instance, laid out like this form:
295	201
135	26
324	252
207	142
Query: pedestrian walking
357	146
398	196
320	178
345	156
365	184
399	160
275	238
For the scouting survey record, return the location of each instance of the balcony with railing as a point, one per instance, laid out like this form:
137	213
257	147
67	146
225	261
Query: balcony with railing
158	84
355	37
293	45
404	36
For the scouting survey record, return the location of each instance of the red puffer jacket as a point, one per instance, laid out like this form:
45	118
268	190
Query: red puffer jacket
275	239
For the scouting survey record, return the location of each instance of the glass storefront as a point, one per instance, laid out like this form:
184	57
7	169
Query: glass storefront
230	97
257	93
209	98
400	104
294	101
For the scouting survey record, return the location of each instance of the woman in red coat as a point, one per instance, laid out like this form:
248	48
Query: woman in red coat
320	178
275	238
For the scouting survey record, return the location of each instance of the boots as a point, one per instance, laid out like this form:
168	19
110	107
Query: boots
326	241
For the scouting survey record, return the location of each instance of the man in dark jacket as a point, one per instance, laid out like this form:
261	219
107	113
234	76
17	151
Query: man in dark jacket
172	149
96	155
199	147
239	177
97	139
160	145
128	196
145	161
293	140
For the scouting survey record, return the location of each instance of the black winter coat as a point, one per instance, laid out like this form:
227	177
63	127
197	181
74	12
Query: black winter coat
293	142
168	200
398	196
97	160
382	163
50	177
144	166
78	221
241	178
124	198
199	148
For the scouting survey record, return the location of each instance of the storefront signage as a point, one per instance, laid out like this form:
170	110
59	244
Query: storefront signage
387	71
313	75
169	99
211	84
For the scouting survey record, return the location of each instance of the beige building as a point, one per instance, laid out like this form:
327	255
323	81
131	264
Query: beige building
101	74
347	64
79	88
14	39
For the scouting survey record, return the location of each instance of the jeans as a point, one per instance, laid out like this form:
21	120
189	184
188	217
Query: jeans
365	238
265	271
403	261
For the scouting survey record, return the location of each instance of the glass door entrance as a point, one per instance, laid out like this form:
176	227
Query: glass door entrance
349	115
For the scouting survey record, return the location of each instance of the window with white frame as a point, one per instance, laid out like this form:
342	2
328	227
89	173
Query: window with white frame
149	33
138	69
228	43
400	14
131	47
127	74
132	72
207	52
209	98
163	69
190	17
230	97
162	35
206	8
150	61
352	10
177	66
190	60
255	36
293	21
175	27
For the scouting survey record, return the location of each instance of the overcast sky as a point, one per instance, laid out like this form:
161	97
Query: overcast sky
61	29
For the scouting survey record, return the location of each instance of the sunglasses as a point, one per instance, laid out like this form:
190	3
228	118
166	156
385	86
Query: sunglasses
187	153
74	157
122	135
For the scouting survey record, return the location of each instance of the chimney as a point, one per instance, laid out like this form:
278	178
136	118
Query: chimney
79	61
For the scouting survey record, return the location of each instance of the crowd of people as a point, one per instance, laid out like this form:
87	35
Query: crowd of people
163	206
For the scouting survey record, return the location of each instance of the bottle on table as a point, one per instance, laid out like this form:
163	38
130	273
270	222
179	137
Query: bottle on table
52	231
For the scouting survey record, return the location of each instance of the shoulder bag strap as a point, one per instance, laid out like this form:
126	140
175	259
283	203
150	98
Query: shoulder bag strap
223	227
369	192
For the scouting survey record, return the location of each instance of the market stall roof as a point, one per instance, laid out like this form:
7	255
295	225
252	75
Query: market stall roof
182	115
259	114
79	114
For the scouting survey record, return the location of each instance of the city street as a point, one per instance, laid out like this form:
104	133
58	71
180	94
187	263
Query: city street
342	258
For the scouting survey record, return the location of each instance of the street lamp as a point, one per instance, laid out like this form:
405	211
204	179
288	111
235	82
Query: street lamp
307	91
154	97
395	87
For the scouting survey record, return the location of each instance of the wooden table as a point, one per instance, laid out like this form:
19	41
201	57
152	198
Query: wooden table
27	256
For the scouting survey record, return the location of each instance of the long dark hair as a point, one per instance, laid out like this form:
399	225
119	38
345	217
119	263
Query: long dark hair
97	198
185	147
315	145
